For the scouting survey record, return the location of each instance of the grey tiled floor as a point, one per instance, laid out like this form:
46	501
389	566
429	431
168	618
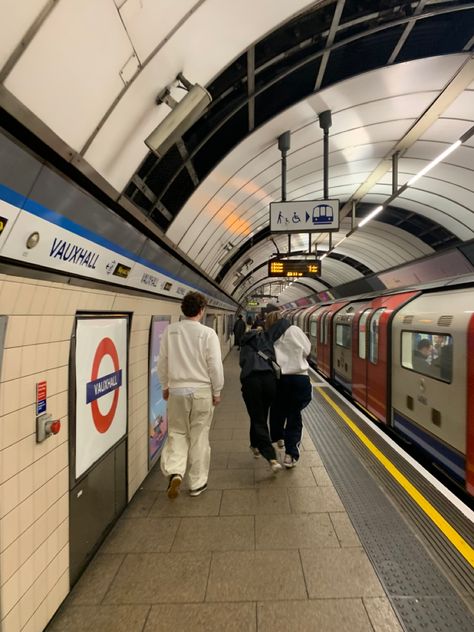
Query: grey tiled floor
256	552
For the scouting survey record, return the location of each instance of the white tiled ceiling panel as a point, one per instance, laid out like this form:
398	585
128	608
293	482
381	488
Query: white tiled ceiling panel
118	148
70	73
21	15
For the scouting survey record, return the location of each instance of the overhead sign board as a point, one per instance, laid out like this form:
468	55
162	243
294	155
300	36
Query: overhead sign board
294	269
308	216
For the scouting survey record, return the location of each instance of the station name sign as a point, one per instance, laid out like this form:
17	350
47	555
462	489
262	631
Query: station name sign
308	216
294	269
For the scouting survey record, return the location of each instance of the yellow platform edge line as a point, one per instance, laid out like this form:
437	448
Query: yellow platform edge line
453	536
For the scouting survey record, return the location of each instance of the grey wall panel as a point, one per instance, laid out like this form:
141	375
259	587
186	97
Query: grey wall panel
60	195
18	168
160	257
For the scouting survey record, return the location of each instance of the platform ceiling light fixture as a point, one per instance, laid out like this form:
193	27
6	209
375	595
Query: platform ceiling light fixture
434	162
368	217
402	189
183	115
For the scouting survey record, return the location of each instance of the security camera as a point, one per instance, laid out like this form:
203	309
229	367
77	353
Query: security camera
184	114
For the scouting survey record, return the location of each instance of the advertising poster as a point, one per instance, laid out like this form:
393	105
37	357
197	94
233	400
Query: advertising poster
101	388
157	415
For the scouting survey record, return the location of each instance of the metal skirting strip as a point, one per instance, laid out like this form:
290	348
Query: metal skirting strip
425	584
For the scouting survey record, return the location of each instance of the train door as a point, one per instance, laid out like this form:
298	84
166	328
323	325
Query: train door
377	364
470	409
359	355
379	352
325	337
343	342
312	333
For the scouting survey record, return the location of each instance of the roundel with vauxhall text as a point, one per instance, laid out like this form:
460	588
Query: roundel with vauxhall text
101	388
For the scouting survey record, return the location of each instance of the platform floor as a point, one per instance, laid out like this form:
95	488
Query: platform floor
256	552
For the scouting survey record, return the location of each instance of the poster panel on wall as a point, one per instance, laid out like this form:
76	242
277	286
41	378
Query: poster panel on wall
101	388
157	414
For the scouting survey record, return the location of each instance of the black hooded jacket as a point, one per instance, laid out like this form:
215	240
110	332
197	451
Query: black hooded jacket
254	341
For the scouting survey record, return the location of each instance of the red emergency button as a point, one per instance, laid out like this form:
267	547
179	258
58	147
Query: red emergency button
56	426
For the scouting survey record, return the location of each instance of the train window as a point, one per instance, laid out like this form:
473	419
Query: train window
428	354
374	336
313	328
343	336
362	334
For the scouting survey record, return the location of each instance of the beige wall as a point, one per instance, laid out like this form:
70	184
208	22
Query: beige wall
34	529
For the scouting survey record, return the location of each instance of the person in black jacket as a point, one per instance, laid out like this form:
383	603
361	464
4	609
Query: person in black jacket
259	386
239	330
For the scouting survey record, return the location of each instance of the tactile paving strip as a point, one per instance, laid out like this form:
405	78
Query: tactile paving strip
422	595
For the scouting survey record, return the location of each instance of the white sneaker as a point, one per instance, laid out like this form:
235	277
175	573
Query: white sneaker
255	452
289	461
276	467
281	443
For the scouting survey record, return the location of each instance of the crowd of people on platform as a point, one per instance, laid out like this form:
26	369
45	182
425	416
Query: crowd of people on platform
275	388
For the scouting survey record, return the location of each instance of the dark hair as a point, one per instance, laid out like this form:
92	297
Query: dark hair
192	304
424	342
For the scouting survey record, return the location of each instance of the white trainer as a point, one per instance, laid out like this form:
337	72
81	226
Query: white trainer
289	461
276	467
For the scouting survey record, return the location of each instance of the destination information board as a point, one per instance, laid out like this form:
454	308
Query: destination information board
294	269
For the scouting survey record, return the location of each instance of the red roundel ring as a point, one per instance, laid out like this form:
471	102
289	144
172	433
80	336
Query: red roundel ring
106	347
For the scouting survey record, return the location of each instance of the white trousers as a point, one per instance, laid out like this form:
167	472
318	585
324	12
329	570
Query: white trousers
189	422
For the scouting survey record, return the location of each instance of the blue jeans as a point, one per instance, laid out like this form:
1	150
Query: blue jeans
293	394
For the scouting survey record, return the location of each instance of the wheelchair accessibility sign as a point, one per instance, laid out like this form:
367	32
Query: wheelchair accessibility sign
309	216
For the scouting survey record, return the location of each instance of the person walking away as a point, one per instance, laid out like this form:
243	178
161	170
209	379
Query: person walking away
294	390
192	376
259	321
239	330
259	387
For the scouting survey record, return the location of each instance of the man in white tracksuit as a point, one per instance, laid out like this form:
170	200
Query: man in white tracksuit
192	376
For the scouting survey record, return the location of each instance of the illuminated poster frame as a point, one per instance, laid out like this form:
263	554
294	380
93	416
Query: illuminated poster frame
100	381
157	409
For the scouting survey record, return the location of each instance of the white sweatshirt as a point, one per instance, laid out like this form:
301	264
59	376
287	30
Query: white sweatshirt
190	357
291	351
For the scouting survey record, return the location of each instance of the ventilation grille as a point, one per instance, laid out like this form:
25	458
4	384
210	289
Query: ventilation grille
407	320
445	321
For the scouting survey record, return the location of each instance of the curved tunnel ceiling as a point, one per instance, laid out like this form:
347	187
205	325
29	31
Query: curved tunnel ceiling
397	77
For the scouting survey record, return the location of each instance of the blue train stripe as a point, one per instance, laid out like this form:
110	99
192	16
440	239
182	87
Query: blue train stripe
452	460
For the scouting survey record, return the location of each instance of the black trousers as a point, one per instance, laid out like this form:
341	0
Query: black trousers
294	394
259	391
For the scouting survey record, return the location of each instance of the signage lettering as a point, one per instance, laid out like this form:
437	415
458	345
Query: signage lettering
73	254
121	270
149	279
294	269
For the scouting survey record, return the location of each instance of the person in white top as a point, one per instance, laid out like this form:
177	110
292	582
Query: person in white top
192	376
294	390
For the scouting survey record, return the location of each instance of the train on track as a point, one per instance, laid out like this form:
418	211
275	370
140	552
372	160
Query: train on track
407	358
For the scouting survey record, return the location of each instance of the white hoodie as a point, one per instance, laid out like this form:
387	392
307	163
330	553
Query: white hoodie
190	357
291	351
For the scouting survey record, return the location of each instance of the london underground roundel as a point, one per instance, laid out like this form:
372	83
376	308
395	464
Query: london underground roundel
104	384
101	388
